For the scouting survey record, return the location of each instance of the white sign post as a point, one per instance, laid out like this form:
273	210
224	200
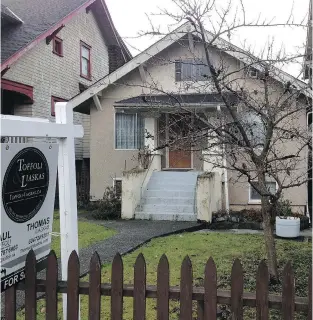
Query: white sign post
65	131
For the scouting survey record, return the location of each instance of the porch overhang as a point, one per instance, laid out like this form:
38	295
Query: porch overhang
174	103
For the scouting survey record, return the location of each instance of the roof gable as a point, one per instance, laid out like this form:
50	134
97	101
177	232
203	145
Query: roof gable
40	19
161	45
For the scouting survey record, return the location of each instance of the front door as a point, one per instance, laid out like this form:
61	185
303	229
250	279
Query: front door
179	151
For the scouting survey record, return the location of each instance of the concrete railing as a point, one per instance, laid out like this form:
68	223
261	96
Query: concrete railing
208	195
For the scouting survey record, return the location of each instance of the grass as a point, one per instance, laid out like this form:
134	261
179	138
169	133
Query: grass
88	233
224	248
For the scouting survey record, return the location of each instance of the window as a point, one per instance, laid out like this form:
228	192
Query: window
85	65
53	101
191	70
255	196
57	46
129	131
252	73
117	185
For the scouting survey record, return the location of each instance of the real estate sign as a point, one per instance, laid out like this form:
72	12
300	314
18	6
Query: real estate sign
28	179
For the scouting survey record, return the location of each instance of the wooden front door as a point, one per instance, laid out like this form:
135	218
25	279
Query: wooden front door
179	159
179	152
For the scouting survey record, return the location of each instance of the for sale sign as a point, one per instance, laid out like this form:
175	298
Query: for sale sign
28	178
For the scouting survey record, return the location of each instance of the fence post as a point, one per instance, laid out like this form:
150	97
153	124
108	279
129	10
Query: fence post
262	292
163	284
117	288
73	287
236	291
94	287
51	287
186	290
10	303
140	288
288	299
30	287
210	290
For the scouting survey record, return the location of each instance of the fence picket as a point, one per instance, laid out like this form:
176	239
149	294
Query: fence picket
236	291
51	288
10	303
310	294
30	288
210	290
288	298
186	290
73	286
262	292
140	288
163	284
94	287
117	288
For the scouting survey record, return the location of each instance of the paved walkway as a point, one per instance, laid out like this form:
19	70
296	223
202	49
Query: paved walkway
130	235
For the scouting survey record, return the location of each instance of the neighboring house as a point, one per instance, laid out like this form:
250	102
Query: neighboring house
51	51
134	115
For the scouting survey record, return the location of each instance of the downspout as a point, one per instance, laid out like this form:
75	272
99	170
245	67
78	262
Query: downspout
225	180
225	173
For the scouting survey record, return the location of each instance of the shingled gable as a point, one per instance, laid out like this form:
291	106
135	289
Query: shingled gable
41	18
161	45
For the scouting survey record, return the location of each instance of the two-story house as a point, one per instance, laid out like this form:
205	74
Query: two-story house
141	107
52	51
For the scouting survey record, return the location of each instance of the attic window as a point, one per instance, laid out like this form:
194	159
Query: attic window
252	73
57	46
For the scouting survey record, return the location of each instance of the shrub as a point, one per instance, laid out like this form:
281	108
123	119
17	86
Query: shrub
283	209
109	207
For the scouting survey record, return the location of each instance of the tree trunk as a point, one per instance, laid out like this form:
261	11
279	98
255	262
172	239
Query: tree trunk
269	241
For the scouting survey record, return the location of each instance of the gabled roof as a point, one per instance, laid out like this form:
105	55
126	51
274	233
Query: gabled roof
161	45
40	18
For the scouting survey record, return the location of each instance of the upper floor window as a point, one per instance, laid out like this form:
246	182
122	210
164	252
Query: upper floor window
53	101
191	70
85	64
57	46
129	131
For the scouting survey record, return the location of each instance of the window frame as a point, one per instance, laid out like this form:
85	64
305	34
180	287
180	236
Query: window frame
114	185
60	41
193	63
114	132
55	99
88	47
258	201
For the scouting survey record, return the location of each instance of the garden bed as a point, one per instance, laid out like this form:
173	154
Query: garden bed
245	219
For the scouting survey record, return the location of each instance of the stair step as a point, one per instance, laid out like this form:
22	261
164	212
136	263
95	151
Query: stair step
168	193
160	208
168	200
165	216
171	187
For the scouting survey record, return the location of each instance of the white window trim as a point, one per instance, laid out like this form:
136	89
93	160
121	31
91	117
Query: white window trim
114	140
255	201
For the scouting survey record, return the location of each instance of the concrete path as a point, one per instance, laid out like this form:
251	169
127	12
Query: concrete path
130	235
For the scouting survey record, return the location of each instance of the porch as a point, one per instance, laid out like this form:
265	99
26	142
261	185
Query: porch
175	182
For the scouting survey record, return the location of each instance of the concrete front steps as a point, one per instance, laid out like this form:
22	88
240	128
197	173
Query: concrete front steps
170	195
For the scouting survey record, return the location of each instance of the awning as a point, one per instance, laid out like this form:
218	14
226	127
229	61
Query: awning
21	88
170	102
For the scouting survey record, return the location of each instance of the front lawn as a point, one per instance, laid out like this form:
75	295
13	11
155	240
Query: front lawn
88	233
224	248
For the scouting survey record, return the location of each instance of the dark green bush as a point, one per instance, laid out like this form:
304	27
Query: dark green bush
109	207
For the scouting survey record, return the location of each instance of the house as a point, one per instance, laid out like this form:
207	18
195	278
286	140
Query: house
51	51
137	112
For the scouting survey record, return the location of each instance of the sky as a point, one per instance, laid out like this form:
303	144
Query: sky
130	17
